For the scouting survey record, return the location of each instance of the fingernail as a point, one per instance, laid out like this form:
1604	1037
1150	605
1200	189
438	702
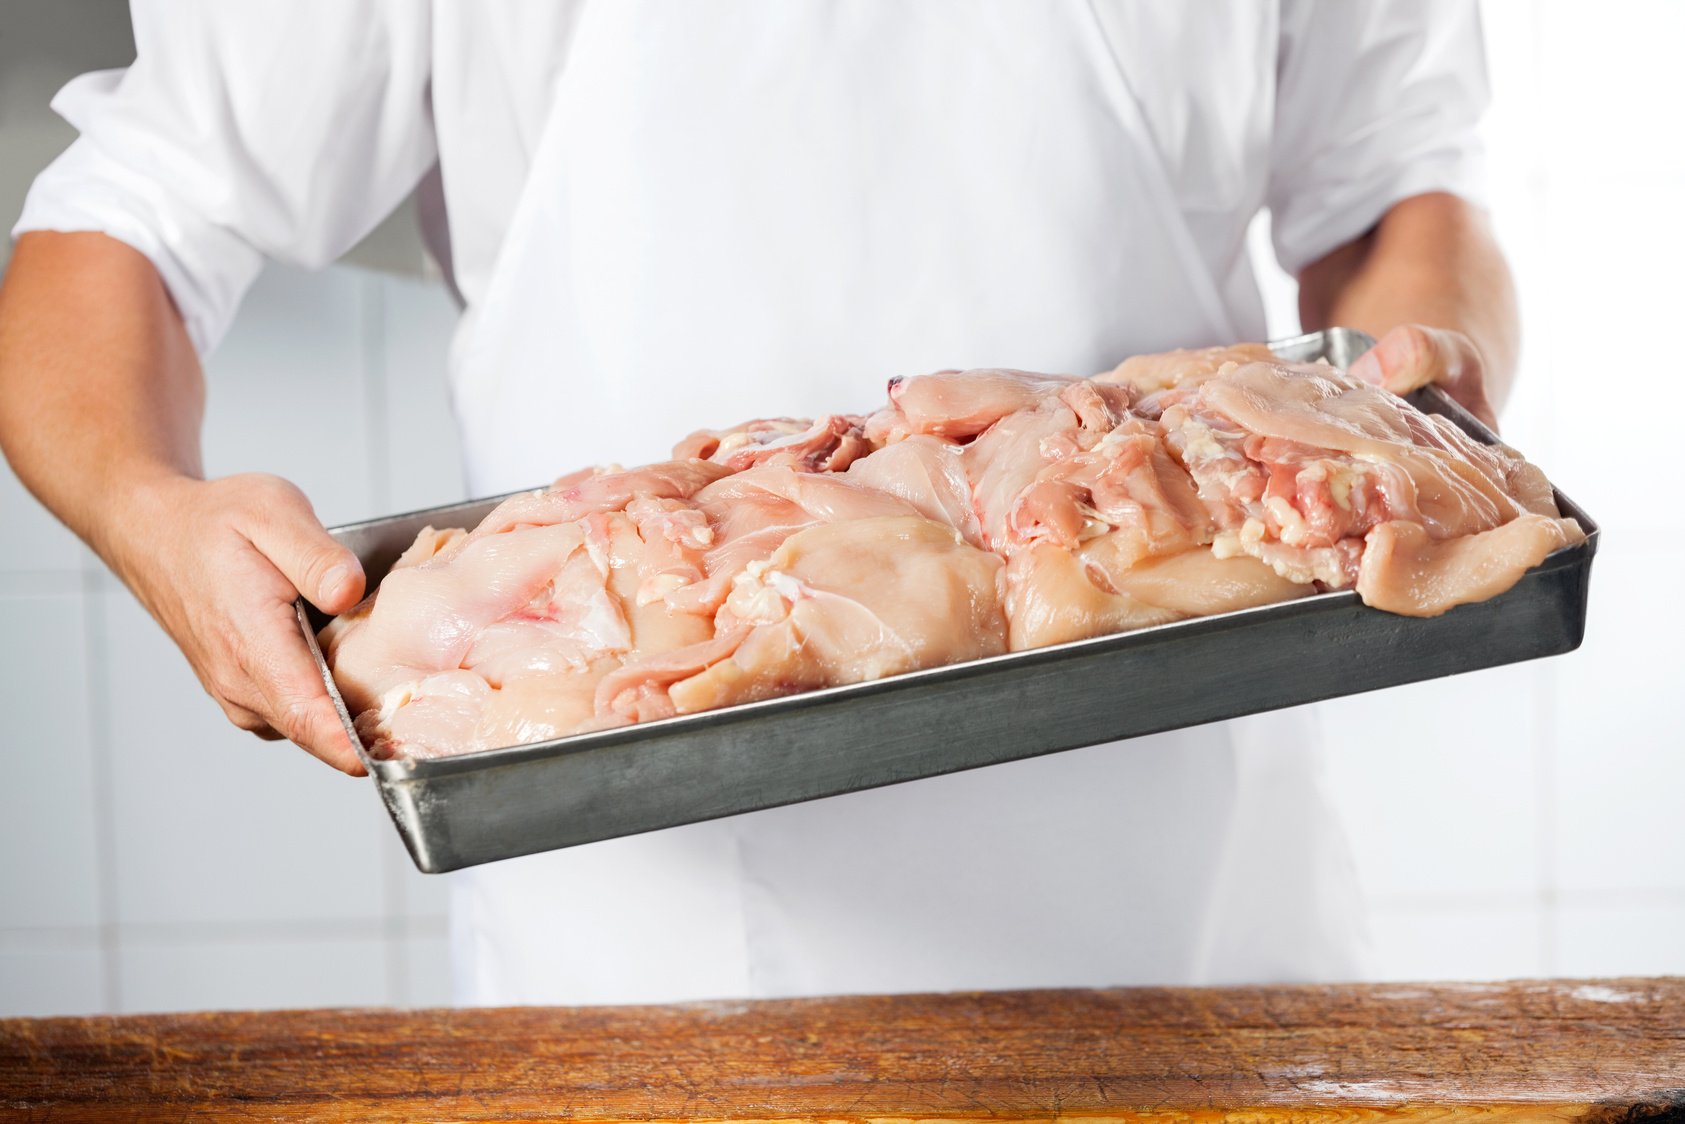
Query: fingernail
334	578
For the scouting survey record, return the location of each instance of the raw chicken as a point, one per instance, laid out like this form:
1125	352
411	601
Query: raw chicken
838	603
504	633
929	474
1331	480
828	445
1169	369
977	512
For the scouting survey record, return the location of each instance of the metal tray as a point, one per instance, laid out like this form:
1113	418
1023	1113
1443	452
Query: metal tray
460	811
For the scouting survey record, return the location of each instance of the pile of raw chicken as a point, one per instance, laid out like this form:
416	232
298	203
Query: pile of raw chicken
979	512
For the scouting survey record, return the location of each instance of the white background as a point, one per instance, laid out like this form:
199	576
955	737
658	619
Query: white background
1519	822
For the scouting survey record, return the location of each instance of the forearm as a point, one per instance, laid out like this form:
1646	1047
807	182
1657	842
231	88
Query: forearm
1432	261
101	393
101	399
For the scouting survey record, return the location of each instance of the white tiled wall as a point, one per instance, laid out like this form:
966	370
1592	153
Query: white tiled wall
1529	819
152	857
1523	821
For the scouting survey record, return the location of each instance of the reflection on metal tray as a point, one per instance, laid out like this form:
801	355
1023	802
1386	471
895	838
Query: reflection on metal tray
460	811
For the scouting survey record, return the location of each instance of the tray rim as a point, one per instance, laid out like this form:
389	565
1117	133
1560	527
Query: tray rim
407	768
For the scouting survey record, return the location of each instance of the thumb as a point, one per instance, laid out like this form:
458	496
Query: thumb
325	573
1408	358
1412	356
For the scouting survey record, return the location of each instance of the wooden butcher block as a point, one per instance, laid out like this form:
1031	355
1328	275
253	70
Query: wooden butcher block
1594	1050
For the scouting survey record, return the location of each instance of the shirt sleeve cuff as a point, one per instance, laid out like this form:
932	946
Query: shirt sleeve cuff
205	268
1312	226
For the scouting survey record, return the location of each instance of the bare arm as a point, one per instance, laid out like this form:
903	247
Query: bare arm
101	400
1430	282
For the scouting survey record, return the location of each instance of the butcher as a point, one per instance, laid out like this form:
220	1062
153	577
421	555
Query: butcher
659	215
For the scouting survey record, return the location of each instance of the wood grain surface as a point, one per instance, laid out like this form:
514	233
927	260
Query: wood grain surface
1590	1050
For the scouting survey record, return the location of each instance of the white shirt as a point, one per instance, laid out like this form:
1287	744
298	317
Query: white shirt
663	215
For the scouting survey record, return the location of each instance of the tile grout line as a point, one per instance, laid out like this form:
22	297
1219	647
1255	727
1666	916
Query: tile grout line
1545	747
98	683
377	452
1544	698
59	937
284	931
43	583
1510	901
372	358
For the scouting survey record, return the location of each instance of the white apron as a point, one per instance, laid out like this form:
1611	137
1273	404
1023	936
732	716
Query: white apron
742	209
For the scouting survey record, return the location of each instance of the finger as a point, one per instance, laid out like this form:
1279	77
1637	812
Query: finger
287	533
1405	359
1412	356
246	719
297	702
1462	373
242	715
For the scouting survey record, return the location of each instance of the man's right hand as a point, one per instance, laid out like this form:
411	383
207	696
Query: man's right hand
218	564
101	399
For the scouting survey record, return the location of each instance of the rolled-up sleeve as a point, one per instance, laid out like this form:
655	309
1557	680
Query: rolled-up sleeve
1376	101
243	132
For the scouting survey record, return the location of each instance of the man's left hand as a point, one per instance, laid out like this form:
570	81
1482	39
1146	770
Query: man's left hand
1412	356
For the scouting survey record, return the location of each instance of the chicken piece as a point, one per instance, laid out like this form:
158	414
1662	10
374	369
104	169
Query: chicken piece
457	712
1405	570
1299	464
431	716
829	444
1193	583
1004	462
429	544
544	707
426	617
572	621
958	404
1054	595
511	632
1050	599
753	514
1427	465
585	493
1126	488
1099	407
674	537
929	474
656	624
1068	474
1164	370
429	541
851	601
754	511
637	690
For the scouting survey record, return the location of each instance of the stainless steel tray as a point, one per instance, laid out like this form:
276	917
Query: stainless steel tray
461	811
